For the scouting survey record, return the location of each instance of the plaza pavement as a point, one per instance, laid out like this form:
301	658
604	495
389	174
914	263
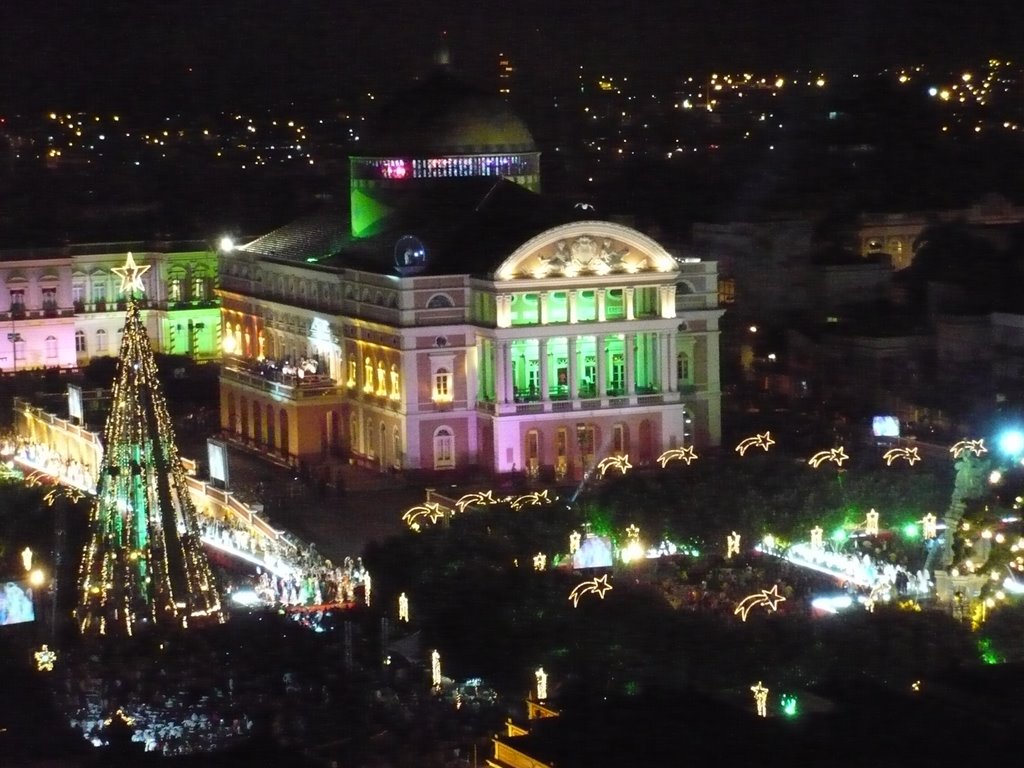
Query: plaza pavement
340	522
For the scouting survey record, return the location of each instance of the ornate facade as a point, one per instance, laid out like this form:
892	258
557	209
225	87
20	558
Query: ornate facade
587	340
61	307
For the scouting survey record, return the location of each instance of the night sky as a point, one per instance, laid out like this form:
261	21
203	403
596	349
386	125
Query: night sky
205	53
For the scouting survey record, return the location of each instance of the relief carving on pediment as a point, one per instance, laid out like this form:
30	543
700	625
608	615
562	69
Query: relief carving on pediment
589	255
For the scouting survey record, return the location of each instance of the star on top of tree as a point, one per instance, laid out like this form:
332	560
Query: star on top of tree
131	275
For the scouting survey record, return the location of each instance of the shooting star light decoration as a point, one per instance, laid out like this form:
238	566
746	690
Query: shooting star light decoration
72	494
535	499
598	585
977	447
757	441
620	463
907	454
686	454
477	498
431	510
838	455
769	598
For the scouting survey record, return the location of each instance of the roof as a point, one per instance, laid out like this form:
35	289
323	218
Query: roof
467	226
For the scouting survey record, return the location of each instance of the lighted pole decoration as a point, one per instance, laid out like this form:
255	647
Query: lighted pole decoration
930	526
26	559
542	683
435	670
403	608
144	560
817	538
760	699
871	523
367	586
574	542
539	561
732	545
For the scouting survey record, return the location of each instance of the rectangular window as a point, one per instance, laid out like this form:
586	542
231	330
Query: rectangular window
442	386
79	341
49	298
351	382
99	293
78	295
18	299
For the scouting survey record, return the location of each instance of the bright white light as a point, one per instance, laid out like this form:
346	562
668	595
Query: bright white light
246	597
832	603
227	245
1011	442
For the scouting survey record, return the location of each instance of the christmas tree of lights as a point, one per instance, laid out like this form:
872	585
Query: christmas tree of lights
144	563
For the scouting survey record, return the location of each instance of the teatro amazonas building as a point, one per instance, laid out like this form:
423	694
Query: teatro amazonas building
451	317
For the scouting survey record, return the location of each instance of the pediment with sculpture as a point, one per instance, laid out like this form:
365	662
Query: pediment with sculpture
571	252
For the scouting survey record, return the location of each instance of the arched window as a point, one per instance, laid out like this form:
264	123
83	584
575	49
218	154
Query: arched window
440	301
51	347
396	453
444	448
101	342
620	442
367	375
80	345
396	392
382	380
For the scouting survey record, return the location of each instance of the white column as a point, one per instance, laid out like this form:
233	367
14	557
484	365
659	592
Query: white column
601	312
630	341
542	352
506	371
602	367
572	306
668	301
542	303
673	368
504	310
500	350
664	361
629	303
574	387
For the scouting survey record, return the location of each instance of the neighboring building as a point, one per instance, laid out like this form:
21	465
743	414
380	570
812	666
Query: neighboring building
896	234
463	321
61	307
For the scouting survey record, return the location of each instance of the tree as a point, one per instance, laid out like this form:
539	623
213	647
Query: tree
144	561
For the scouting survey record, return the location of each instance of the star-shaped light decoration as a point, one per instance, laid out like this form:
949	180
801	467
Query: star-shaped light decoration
620	463
539	561
131	276
910	455
837	455
431	510
478	497
769	598
534	499
977	447
598	585
633	532
45	659
686	454
763	440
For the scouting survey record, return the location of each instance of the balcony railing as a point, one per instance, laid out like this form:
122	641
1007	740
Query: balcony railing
279	385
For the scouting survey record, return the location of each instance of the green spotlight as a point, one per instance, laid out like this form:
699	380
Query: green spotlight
911	531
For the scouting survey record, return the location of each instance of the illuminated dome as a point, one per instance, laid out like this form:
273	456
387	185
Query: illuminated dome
438	133
442	116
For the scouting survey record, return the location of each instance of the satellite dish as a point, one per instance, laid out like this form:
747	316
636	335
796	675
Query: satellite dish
410	252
